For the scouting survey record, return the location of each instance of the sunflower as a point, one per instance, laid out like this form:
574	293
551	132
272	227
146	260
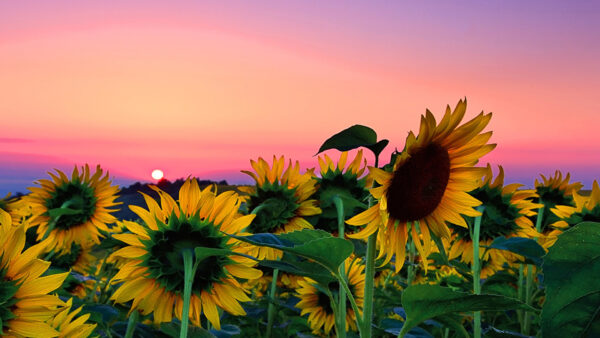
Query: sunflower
18	209
507	212
554	191
77	257
72	210
428	185
280	200
586	209
25	305
381	275
68	326
153	276
317	304
343	182
285	282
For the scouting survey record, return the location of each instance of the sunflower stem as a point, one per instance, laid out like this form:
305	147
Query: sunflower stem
271	308
520	292
98	276
476	269
334	306
339	205
440	245
359	323
132	323
529	281
367	319
188	275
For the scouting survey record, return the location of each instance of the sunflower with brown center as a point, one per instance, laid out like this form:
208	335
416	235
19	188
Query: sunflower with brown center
346	183
153	274
75	209
428	185
316	303
280	200
507	213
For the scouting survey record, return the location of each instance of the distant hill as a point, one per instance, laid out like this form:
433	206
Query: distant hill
131	194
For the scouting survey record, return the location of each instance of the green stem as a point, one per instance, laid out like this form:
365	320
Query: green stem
528	287
529	282
359	323
440	245
369	277
334	306
520	296
188	281
90	297
271	309
369	285
131	323
339	205
476	269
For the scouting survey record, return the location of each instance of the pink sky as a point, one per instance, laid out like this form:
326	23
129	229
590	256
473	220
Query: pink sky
198	88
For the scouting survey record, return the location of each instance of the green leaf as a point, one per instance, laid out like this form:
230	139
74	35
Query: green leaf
422	302
378	147
526	247
453	323
316	245
571	270
102	312
301	267
351	138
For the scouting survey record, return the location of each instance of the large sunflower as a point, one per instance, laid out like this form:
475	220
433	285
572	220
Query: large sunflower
72	210
343	182
428	185
587	208
153	276
507	212
316	303
280	200
25	305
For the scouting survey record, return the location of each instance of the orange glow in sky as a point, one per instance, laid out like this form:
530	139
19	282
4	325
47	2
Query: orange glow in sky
202	88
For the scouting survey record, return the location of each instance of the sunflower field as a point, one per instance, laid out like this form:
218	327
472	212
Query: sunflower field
429	244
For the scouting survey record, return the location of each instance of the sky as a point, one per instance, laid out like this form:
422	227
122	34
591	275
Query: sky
199	88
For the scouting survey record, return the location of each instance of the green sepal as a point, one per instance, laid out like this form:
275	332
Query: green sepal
58	212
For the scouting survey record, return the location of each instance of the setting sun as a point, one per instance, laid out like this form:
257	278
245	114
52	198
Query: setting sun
157	174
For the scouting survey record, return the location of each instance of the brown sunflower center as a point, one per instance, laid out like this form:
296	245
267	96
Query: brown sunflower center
418	185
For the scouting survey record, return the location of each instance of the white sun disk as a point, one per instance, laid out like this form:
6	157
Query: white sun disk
157	174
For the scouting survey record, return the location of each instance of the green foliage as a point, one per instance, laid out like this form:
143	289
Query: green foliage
525	247
317	245
571	270
355	137
422	302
